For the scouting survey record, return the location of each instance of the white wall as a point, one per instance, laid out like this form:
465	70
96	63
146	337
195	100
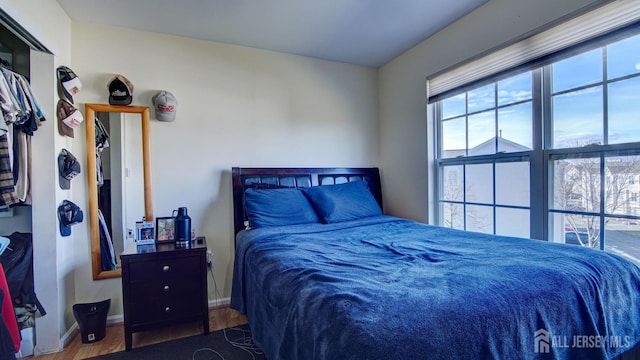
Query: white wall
20	221
405	154
237	106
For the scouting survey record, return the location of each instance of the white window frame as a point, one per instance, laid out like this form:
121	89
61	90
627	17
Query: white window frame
540	157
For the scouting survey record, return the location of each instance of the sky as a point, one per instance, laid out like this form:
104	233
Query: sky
578	103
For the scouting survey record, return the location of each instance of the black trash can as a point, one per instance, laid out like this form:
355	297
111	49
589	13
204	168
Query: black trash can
92	320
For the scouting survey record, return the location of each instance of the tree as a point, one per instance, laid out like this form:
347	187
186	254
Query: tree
580	184
580	179
453	213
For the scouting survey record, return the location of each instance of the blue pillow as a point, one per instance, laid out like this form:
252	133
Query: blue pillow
276	207
343	202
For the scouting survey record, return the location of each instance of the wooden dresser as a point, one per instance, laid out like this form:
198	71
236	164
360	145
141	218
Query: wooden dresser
162	285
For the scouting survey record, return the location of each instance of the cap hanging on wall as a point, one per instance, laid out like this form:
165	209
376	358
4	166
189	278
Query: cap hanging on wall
165	105
120	91
69	117
68	214
68	83
68	168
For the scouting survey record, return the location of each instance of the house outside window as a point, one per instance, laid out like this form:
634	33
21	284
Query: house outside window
551	152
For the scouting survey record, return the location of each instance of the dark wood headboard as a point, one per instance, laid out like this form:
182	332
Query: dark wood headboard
242	178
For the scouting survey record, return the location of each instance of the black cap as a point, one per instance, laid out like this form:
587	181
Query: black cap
120	91
68	214
68	168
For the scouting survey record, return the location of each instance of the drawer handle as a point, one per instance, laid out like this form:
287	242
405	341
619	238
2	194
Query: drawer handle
166	288
167	309
165	268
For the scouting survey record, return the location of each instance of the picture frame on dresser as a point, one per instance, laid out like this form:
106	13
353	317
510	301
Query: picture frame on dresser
165	229
145	233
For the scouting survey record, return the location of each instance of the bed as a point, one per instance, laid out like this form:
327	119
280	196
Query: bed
354	283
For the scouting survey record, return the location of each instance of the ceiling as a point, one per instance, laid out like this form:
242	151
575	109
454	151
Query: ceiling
362	32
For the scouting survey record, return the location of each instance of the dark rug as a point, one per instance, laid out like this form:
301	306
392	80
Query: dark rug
199	347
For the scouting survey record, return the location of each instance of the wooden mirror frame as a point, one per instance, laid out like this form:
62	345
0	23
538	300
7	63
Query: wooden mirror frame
90	113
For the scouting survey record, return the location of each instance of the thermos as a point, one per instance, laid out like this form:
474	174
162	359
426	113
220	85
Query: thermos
182	226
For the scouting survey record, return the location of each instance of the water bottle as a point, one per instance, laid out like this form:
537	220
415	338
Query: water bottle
182	226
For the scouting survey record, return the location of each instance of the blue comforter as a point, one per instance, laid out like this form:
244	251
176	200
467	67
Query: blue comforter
389	288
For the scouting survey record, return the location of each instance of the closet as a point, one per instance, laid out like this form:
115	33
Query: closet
16	223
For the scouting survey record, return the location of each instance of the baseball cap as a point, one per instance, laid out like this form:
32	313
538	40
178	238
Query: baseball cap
120	91
68	167
68	83
165	104
68	214
69	117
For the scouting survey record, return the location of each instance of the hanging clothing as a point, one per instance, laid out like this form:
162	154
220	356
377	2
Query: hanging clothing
18	93
18	267
22	179
32	99
8	106
102	137
8	315
7	346
107	254
104	202
99	173
22	117
8	194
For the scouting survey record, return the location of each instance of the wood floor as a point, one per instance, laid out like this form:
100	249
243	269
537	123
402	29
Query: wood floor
219	318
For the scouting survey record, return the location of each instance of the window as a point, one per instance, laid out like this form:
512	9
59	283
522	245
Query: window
567	128
486	136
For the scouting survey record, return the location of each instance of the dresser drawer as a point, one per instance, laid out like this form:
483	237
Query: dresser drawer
157	289
165	269
161	310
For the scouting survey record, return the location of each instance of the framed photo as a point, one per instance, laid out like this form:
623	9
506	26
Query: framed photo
145	233
165	229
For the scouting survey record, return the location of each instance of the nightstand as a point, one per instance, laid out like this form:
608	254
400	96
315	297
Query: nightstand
162	285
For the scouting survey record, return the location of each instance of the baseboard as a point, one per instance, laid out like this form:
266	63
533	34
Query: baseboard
115	319
219	302
27	347
64	340
118	319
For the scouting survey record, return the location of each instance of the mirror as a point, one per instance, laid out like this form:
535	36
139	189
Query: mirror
118	113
